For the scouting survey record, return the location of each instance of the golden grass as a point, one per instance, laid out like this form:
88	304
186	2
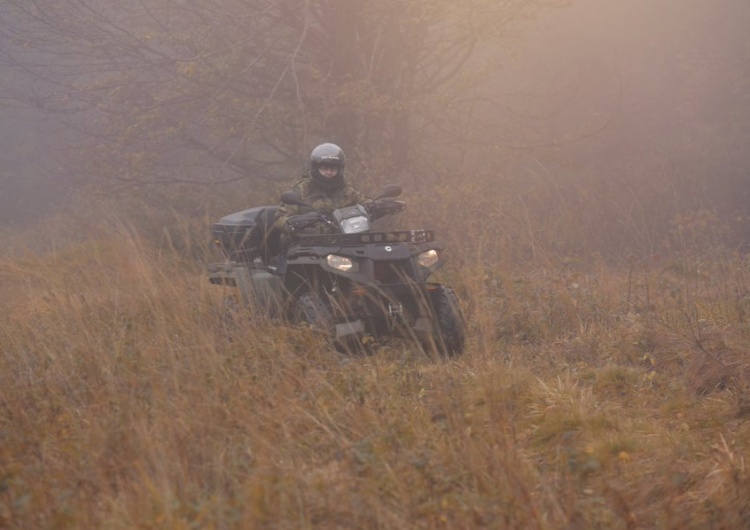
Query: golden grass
587	398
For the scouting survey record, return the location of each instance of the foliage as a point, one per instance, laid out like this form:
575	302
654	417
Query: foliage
211	92
589	395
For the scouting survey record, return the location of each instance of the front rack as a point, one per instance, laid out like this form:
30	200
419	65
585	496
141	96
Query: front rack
365	238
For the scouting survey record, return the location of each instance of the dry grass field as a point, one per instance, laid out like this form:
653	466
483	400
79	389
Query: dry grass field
590	396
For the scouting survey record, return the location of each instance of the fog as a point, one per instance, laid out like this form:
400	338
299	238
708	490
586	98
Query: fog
641	79
32	161
607	87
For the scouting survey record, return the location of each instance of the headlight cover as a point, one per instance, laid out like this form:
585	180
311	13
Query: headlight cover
355	225
428	259
341	263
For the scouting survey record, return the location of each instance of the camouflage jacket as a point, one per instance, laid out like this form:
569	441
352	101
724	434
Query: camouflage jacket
320	198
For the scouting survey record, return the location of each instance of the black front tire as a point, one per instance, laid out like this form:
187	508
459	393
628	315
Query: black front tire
311	309
451	326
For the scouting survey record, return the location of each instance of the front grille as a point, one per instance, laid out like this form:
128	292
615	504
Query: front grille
389	272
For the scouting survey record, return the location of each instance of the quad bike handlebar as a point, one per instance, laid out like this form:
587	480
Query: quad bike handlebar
382	205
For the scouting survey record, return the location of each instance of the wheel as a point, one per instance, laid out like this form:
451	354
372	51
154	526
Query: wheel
451	328
311	309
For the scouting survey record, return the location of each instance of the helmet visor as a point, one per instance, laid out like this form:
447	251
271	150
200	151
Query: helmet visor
329	170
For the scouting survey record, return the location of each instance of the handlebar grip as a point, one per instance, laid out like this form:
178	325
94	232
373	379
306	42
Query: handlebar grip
298	222
385	207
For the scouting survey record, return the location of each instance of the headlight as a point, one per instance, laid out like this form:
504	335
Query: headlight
341	263
428	259
355	225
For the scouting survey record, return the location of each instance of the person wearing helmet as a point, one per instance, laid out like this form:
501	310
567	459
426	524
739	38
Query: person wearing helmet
323	186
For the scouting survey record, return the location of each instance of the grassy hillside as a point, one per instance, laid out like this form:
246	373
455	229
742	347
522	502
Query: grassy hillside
590	396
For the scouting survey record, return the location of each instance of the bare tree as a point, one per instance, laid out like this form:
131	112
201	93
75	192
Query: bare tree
217	90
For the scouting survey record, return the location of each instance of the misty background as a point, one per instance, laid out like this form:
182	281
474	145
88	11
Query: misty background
636	112
662	84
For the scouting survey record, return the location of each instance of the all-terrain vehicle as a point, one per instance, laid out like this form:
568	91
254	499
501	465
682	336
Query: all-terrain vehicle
349	283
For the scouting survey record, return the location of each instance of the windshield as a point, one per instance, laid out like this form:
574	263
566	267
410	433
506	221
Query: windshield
352	219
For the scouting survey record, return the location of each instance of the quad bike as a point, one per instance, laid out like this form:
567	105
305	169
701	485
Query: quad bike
349	283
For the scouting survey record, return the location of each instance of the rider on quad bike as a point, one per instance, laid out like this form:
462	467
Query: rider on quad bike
323	187
319	262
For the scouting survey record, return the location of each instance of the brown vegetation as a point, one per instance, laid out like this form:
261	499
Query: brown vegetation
595	228
591	395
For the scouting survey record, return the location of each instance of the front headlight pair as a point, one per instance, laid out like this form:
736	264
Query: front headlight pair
428	259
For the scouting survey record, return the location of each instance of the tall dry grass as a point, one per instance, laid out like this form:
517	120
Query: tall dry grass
589	396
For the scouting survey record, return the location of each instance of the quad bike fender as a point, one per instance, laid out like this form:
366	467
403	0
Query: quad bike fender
256	286
222	274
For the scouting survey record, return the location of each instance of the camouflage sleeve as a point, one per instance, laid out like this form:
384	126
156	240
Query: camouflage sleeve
356	196
282	214
361	198
287	210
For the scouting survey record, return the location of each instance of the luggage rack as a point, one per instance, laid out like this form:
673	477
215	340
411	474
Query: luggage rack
366	238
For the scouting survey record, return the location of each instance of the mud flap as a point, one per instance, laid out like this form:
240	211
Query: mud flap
258	288
347	329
